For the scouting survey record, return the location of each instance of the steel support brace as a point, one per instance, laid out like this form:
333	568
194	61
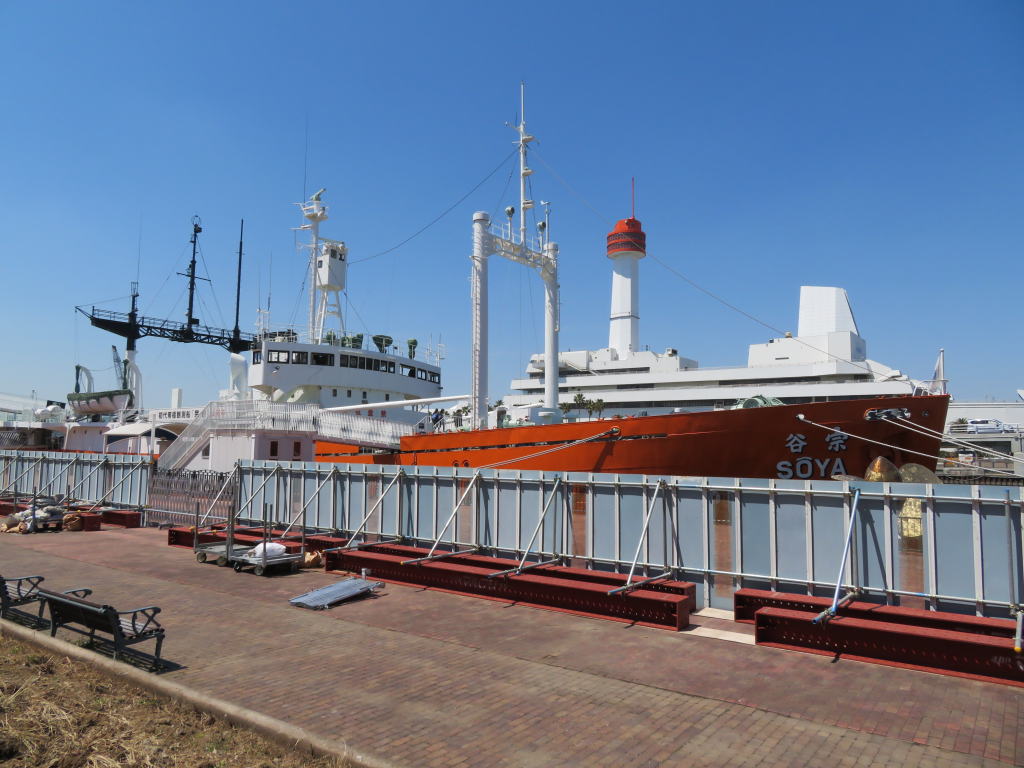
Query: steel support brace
520	568
248	501
116	485
32	466
316	493
60	474
1015	608
540	522
829	612
366	517
442	556
234	472
455	510
627	588
643	535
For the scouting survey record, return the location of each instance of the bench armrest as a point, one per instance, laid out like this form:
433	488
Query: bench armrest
24	586
143	619
82	592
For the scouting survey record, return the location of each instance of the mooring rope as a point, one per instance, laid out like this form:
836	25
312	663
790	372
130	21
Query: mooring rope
612	431
928	432
804	419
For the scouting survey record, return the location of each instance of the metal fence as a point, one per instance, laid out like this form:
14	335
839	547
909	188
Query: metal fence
937	546
175	495
111	479
950	547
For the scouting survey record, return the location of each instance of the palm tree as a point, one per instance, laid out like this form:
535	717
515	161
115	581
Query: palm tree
565	408
579	401
598	406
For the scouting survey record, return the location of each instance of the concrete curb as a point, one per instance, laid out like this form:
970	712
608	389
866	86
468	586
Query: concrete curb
283	733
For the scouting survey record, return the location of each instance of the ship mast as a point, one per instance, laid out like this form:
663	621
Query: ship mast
328	268
540	254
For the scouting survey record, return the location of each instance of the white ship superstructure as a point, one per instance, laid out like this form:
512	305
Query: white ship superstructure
826	360
332	367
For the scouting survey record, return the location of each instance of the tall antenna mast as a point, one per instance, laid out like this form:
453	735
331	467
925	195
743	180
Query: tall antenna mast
236	333
314	211
632	197
190	319
524	169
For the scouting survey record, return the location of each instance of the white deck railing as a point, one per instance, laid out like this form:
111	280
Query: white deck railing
248	415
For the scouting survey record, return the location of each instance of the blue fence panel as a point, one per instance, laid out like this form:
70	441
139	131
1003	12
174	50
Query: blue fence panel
791	535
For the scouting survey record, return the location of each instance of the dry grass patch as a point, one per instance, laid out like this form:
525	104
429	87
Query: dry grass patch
59	713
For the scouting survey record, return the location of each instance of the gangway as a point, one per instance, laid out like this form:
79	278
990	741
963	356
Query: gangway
247	416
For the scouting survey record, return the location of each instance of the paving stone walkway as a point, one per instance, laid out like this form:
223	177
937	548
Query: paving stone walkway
425	678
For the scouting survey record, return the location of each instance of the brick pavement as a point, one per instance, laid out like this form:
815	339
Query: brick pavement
424	678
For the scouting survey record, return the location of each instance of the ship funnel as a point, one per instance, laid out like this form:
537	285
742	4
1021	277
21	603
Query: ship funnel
627	244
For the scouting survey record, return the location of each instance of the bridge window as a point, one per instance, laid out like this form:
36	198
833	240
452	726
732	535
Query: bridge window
300	358
277	356
362	363
387	395
257	357
349	393
273	449
391	367
321	358
408	370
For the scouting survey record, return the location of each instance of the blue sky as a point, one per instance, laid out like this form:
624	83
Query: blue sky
876	146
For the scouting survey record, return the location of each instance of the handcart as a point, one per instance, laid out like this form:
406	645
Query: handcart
215	552
241	558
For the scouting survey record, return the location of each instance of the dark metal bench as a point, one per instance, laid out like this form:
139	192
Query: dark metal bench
24	590
126	627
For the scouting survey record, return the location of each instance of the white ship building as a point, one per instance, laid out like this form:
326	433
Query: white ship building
827	360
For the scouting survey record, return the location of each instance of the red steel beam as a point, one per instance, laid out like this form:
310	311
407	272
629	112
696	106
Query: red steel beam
962	654
747	602
645	607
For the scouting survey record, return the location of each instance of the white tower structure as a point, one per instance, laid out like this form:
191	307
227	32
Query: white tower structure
328	269
518	247
627	244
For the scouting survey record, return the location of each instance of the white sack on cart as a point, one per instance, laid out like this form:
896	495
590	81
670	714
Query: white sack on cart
273	550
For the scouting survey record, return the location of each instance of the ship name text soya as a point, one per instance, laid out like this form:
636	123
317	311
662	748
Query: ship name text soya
805	467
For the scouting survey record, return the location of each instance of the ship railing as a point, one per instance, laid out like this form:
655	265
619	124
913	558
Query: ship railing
362	430
226	415
506	230
242	415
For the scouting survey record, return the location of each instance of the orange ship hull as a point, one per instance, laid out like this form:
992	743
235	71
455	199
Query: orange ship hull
751	442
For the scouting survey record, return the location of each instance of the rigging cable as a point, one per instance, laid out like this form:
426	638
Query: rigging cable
216	302
612	431
927	432
804	419
440	216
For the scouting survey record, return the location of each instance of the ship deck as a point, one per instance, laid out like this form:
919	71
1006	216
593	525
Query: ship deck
425	678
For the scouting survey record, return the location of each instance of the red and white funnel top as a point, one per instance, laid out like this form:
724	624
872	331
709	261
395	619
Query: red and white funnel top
627	244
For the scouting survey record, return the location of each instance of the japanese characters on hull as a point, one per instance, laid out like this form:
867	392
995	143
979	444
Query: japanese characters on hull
806	467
